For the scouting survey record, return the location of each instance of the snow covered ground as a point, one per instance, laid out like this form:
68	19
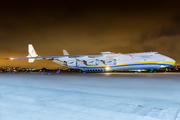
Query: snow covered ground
89	96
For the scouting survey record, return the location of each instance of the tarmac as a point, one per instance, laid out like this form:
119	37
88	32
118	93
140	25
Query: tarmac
90	96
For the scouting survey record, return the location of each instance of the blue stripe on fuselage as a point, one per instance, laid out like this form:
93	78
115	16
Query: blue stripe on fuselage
167	65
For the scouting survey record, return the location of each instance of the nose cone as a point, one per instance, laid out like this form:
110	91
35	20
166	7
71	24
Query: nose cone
167	61
172	61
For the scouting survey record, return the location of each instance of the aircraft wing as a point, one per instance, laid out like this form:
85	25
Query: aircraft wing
59	57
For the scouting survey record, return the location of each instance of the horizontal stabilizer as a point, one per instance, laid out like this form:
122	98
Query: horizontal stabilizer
31	60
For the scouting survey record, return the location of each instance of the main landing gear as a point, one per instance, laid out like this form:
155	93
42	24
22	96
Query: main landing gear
95	71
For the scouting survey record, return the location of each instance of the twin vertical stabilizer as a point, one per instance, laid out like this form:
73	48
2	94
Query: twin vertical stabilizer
65	52
31	53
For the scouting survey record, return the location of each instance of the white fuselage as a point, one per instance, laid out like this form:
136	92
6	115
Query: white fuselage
106	61
113	61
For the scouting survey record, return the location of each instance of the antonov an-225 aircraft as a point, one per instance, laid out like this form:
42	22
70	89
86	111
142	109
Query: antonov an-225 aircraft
106	61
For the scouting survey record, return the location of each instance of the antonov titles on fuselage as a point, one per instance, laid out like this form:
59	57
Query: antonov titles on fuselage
106	61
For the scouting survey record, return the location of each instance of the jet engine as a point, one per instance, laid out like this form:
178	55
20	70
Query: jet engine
92	62
110	62
73	62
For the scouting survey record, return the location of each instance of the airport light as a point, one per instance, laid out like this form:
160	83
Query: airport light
107	68
162	66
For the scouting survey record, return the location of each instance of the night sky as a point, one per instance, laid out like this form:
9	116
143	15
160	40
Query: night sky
87	27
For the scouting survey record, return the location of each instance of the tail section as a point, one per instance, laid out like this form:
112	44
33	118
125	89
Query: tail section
65	52
31	53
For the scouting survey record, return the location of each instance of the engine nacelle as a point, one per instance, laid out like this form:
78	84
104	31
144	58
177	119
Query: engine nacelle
92	62
73	63
110	62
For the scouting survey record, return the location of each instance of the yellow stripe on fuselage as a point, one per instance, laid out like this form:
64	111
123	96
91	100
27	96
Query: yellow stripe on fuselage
164	62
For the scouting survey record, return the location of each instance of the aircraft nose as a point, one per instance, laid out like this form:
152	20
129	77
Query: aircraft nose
171	60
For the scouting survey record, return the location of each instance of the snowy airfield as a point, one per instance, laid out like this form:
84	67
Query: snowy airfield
100	96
